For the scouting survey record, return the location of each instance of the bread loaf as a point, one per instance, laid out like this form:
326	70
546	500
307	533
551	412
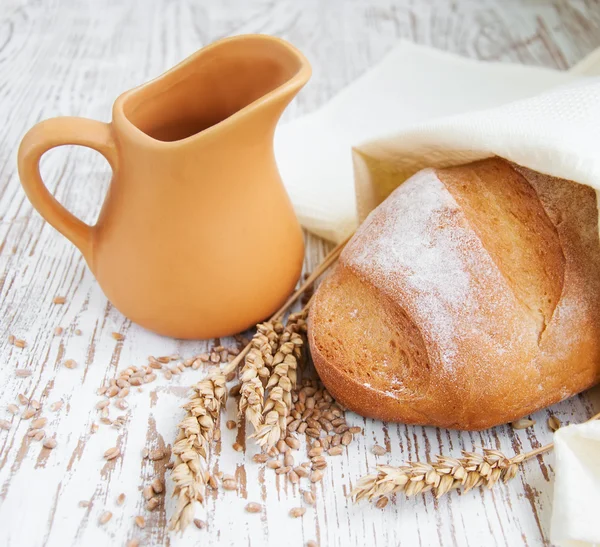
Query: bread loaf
469	298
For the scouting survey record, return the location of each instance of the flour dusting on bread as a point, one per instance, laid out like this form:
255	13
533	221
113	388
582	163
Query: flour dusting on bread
417	248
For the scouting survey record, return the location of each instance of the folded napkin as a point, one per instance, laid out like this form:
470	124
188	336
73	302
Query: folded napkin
419	108
423	107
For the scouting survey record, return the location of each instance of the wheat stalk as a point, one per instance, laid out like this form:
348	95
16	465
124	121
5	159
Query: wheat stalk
256	371
446	473
319	270
196	431
281	382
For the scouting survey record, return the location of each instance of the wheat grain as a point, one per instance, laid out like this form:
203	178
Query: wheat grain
158	486
378	450
157	455
112	453
17	342
56	406
105	517
523	423
38	423
196	431
152	504
29	413
554	423
381	502
296	512
13	409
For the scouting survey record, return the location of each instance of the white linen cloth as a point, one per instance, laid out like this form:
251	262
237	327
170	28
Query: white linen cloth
420	107
424	107
575	521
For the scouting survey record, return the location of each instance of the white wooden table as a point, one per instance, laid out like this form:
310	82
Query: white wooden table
60	57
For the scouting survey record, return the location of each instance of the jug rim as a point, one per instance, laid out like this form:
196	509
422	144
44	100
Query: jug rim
295	82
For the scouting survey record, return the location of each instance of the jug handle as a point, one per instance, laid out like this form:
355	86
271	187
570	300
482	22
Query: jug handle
58	132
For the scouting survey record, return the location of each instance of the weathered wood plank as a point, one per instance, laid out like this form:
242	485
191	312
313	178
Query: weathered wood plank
75	57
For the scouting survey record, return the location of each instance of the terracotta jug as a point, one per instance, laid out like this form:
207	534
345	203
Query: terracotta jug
197	237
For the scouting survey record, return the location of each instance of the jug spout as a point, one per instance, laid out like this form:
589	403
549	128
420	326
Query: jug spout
217	87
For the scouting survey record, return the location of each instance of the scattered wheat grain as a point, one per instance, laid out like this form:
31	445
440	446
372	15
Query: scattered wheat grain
523	423
296	512
316	476
29	413
378	450
158	485
554	423
148	492
152	504
38	423
237	447
56	406
381	502
112	453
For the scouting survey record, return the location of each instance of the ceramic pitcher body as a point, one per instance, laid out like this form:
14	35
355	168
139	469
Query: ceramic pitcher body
197	237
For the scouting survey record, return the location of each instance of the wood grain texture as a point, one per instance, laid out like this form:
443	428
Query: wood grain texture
75	57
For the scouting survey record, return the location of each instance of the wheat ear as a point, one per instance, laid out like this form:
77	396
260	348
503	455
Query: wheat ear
446	473
196	431
256	370
281	382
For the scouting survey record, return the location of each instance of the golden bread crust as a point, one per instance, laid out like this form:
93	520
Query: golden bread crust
469	298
